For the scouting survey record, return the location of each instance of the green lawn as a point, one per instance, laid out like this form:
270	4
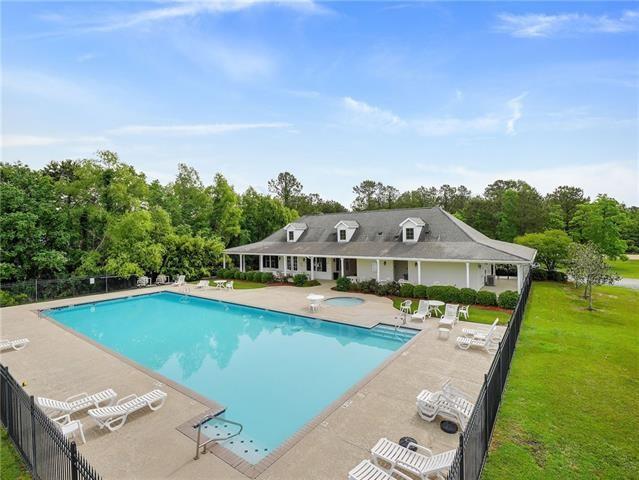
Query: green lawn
243	284
11	466
570	405
475	313
626	268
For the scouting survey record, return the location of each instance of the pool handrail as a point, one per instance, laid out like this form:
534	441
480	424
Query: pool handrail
206	419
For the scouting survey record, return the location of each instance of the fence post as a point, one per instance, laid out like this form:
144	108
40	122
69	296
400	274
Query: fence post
486	413
74	461
34	463
36	289
461	457
106	283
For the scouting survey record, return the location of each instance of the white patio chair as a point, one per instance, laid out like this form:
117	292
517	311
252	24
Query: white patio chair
463	311
161	279
17	344
180	282
69	427
422	312
406	307
450	316
143	281
115	416
480	334
202	284
366	470
75	403
421	462
229	285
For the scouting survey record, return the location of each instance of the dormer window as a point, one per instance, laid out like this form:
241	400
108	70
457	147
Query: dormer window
411	229
410	233
294	231
345	230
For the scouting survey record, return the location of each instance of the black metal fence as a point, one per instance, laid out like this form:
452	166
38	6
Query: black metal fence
44	449
30	291
474	441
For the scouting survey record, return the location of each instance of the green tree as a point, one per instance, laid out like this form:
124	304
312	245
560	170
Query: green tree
262	215
587	265
226	213
420	197
566	199
552	247
367	195
286	188
601	222
189	202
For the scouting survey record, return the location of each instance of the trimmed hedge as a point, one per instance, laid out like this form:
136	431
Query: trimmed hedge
420	291
540	274
508	299
300	279
467	296
266	277
444	293
343	284
486	298
407	290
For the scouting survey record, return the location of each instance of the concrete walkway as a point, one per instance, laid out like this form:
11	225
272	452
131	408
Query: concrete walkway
59	363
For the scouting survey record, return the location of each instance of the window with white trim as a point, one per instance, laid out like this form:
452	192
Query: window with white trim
291	235
270	261
319	264
410	233
342	234
291	263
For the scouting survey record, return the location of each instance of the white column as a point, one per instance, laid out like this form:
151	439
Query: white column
419	272
312	268
241	263
341	266
467	275
223	260
285	272
377	269
261	263
520	277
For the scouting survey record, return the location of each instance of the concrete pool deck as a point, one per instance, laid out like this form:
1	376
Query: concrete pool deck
58	363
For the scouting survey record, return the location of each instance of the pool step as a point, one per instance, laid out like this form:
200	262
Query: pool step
392	333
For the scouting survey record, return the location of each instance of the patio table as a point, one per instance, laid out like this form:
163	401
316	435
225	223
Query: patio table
220	283
435	304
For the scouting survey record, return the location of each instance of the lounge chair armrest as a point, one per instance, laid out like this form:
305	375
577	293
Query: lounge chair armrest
62	419
420	449
76	397
128	398
393	471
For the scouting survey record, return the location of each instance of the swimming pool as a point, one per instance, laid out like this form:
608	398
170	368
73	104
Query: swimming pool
274	372
344	301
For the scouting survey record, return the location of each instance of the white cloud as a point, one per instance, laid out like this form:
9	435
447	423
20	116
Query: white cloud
369	116
535	25
618	179
17	140
85	57
195	129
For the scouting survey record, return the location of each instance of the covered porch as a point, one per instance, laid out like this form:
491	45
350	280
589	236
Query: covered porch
459	273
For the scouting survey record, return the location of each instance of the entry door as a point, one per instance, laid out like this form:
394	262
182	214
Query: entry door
400	270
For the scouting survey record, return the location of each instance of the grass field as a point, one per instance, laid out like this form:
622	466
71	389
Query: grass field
475	314
243	284
570	405
11	466
626	268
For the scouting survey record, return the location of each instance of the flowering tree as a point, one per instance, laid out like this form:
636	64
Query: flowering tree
588	267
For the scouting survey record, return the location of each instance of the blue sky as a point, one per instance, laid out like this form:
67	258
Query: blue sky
409	94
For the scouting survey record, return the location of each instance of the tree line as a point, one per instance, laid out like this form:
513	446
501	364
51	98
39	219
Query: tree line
100	215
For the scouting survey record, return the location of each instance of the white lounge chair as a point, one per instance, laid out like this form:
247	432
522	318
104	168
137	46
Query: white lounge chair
450	316
421	463
490	343
180	282
17	344
366	470
229	285
450	404
423	311
202	284
69	427
75	403
463	311
115	416
480	334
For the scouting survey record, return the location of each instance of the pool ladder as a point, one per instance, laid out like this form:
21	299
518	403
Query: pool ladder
206	419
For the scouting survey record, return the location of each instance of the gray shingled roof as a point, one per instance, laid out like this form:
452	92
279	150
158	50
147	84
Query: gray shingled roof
444	237
349	223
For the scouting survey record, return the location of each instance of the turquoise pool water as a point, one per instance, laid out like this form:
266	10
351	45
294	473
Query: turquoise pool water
344	301
273	372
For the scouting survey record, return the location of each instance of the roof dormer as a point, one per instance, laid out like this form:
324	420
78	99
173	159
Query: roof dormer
345	230
412	229
294	231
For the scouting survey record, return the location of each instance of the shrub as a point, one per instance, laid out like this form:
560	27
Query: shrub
343	284
237	275
557	276
8	300
420	291
242	275
311	283
300	279
539	274
486	298
508	299
250	276
266	277
354	287
368	286
220	272
506	270
444	293
407	290
388	288
467	296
